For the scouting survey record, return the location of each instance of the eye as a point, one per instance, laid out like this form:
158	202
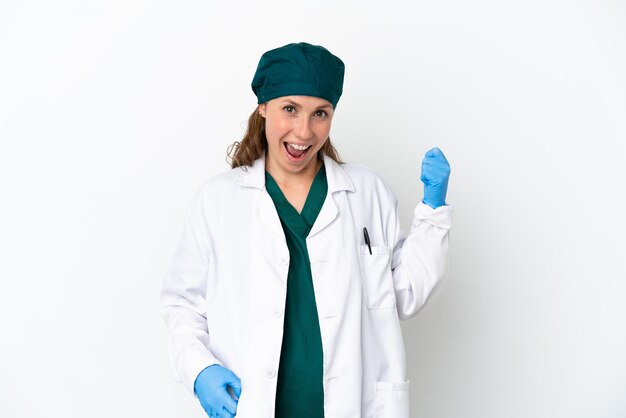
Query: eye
321	113
289	109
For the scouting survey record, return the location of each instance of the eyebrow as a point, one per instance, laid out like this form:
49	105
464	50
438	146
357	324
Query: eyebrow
291	102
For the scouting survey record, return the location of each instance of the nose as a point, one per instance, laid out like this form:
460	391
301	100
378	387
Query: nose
303	128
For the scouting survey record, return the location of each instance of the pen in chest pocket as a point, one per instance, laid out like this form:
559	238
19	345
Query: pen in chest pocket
367	239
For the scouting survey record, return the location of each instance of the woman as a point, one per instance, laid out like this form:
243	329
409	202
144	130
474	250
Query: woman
285	292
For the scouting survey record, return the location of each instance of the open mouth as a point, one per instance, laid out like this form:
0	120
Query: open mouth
296	151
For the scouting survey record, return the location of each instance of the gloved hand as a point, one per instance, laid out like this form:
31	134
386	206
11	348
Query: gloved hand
211	389
435	175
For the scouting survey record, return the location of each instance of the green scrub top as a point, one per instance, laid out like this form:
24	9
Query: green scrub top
300	391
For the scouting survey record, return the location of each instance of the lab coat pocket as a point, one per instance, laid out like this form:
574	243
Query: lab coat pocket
377	277
391	400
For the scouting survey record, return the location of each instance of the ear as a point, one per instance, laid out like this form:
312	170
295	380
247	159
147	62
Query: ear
262	109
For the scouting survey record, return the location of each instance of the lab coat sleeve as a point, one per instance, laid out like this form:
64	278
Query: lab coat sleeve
183	296
420	259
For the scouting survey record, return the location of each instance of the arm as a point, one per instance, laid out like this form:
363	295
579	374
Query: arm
420	260
183	300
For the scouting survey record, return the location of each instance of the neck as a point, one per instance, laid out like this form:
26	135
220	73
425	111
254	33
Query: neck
291	180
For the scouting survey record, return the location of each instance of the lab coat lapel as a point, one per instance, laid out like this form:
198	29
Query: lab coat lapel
266	213
268	216
338	181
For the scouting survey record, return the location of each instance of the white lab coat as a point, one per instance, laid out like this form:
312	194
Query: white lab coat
223	296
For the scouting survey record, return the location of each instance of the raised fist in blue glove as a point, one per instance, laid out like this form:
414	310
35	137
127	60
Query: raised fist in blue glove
435	175
211	388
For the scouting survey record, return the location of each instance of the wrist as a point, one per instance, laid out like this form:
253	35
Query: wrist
432	204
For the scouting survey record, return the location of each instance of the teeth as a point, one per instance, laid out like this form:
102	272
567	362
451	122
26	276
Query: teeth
299	147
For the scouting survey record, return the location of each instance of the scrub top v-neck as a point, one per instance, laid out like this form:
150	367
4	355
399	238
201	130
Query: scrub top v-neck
300	391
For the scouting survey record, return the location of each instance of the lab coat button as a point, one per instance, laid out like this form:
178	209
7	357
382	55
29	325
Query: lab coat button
278	312
271	373
284	261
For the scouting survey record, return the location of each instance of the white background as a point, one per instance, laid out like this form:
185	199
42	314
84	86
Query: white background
112	113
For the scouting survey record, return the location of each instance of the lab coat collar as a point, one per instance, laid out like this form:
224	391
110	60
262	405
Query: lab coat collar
336	176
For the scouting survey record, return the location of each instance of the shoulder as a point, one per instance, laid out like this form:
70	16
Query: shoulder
219	187
366	180
225	179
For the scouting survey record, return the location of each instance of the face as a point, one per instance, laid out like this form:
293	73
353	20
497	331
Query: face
296	128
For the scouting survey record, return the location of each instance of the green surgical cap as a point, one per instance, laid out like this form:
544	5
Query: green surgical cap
299	70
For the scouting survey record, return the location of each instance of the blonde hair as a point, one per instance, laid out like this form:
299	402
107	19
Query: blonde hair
254	145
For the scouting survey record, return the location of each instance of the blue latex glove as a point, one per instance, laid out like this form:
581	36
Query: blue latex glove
211	389
435	175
